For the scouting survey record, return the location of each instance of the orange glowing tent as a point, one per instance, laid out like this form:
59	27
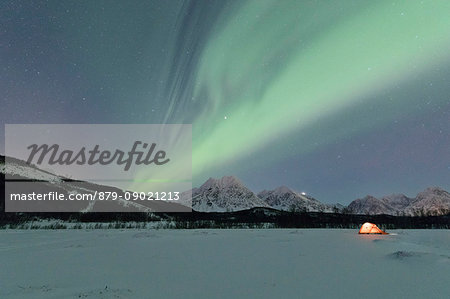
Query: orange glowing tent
370	228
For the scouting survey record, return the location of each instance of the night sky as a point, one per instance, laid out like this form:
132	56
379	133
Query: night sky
337	99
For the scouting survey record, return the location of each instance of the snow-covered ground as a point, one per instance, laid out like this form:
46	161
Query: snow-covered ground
288	263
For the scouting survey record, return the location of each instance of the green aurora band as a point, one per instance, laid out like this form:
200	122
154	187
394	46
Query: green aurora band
266	73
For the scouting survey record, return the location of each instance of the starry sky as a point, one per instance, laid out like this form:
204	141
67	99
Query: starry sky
337	99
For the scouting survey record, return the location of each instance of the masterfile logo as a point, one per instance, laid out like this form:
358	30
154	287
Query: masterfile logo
94	156
101	168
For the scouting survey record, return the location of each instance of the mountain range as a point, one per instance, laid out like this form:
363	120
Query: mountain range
433	201
229	194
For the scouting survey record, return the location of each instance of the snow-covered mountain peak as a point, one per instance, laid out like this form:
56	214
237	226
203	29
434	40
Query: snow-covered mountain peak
222	183
224	194
397	201
433	191
283	190
369	198
284	198
369	205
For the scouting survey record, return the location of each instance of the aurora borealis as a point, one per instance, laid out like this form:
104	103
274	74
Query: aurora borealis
338	99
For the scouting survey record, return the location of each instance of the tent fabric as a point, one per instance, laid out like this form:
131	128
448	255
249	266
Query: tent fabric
370	228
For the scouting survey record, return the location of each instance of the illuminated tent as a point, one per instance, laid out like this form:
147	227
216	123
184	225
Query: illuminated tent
370	228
